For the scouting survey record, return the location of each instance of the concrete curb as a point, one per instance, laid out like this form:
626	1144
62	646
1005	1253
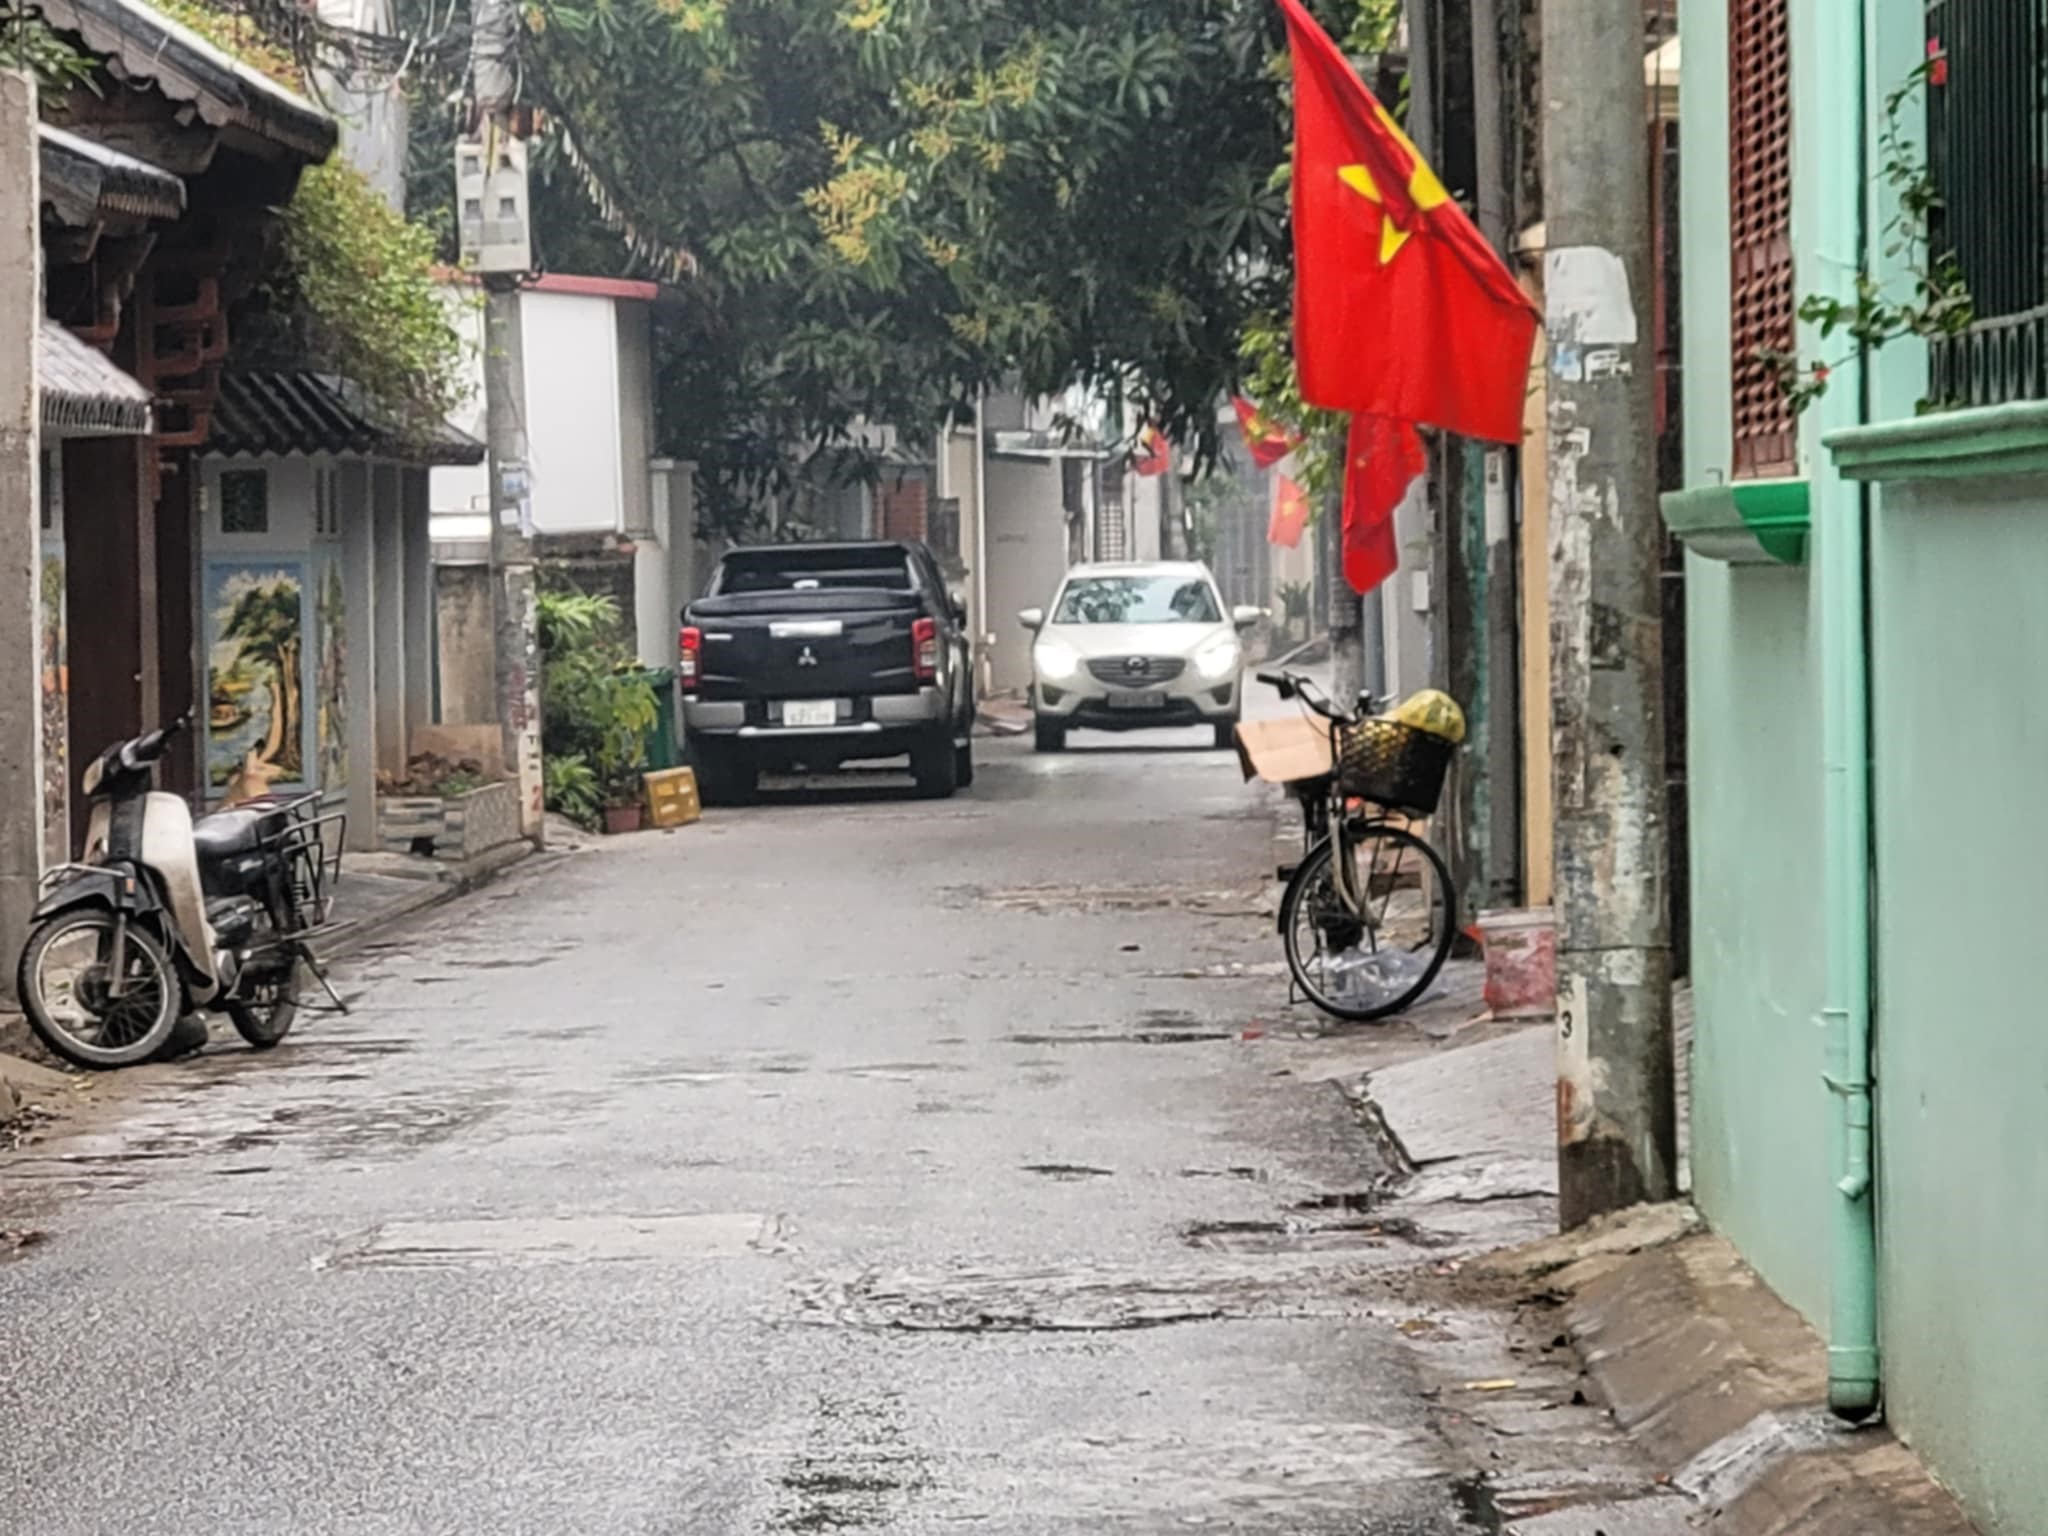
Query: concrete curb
472	876
1722	1384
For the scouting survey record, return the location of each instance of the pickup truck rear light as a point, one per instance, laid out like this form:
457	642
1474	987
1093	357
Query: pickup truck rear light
924	638
689	655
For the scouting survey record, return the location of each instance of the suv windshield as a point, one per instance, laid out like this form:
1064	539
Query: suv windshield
1137	600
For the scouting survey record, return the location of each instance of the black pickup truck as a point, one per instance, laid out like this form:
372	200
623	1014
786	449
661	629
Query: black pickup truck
817	655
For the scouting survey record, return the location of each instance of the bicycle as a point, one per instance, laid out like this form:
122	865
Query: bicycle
1369	915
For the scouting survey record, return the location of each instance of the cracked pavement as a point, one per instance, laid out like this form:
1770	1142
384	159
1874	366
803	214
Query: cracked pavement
848	1163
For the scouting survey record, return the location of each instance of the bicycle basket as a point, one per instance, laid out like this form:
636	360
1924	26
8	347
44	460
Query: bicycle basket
1393	764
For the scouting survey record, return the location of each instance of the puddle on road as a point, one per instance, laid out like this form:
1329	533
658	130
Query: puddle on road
1221	1285
1157	897
1069	1172
1294	1236
855	1470
581	1239
1128	1037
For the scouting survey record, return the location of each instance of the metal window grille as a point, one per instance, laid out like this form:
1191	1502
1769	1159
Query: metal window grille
1760	219
1987	118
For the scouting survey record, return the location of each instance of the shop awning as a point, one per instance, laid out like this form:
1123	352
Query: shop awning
143	46
83	394
286	411
84	182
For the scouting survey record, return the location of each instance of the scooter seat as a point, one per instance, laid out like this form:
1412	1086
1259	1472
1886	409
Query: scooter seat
227	832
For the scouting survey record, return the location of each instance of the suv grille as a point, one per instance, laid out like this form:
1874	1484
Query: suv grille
1137	671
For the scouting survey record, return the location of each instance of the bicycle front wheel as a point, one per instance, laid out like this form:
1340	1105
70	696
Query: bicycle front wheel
1370	957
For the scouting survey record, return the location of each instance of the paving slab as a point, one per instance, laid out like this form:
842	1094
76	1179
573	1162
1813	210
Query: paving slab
1490	1100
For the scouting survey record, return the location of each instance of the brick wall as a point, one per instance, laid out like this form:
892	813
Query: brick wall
904	505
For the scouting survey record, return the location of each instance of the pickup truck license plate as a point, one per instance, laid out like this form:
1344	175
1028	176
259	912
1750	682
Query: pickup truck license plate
1120	700
810	712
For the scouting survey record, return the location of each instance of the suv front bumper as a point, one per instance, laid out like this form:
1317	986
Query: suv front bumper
1085	702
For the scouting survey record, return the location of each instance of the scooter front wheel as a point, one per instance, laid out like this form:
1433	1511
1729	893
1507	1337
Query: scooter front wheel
67	989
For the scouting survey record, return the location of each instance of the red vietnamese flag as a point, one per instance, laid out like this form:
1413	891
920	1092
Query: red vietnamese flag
1403	314
1153	457
1381	457
1290	513
1264	438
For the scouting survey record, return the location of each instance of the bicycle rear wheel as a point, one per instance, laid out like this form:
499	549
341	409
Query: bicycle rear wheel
1371	963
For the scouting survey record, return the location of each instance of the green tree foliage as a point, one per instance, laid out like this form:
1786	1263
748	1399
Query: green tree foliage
891	203
350	287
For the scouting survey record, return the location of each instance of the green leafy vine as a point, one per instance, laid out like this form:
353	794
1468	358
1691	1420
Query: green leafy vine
1938	304
359	277
26	42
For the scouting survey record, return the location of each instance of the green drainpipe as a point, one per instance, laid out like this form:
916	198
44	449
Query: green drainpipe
1853	1373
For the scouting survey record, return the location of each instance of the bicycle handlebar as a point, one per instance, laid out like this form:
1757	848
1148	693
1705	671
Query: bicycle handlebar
1299	686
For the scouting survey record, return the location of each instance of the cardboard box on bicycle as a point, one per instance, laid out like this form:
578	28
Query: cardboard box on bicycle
1283	751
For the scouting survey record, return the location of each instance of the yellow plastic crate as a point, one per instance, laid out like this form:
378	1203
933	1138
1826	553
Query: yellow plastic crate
672	797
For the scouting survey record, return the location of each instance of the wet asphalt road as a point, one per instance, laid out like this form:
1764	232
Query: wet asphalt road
850	1163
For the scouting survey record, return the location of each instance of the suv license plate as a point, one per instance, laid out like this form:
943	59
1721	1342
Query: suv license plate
1136	700
810	712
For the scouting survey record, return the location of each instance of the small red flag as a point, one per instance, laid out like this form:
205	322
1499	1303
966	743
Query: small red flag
1290	513
1382	457
1401	308
1265	439
1153	456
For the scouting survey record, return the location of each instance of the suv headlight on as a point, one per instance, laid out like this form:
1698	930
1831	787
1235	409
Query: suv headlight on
1056	660
1219	658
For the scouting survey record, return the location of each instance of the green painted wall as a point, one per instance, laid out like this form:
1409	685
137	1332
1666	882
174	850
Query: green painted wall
1960	653
1759	1112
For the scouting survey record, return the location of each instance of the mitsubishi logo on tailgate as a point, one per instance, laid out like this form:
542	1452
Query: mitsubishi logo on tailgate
807	657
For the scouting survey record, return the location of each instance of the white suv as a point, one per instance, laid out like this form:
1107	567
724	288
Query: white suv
1133	647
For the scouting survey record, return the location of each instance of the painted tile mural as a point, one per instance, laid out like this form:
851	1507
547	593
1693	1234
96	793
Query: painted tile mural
56	710
256	712
331	692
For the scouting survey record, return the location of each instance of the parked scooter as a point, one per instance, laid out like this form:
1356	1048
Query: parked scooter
166	914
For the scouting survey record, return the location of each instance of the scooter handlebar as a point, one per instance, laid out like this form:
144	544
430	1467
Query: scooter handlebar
149	747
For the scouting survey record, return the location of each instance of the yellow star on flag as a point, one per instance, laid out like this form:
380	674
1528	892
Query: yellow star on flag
1424	190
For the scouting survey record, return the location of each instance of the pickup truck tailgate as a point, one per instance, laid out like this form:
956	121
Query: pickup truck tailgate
806	645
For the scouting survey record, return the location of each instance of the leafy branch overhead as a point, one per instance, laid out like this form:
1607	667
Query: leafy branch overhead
894	203
359	278
1937	302
351	283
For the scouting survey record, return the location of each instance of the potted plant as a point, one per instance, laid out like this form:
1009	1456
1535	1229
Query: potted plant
623	808
597	708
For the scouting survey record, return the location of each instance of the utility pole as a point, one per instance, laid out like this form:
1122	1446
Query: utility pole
21	638
1617	1124
490	179
1347	612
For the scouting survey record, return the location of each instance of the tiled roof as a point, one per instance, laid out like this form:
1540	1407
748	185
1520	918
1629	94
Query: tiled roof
82	392
144	46
84	181
283	411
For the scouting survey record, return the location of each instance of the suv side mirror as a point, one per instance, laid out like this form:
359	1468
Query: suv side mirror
1244	616
1032	618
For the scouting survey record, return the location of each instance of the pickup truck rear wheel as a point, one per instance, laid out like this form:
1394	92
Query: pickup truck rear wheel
963	764
726	775
936	766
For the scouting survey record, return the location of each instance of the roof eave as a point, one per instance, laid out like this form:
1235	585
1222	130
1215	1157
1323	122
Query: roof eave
143	45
